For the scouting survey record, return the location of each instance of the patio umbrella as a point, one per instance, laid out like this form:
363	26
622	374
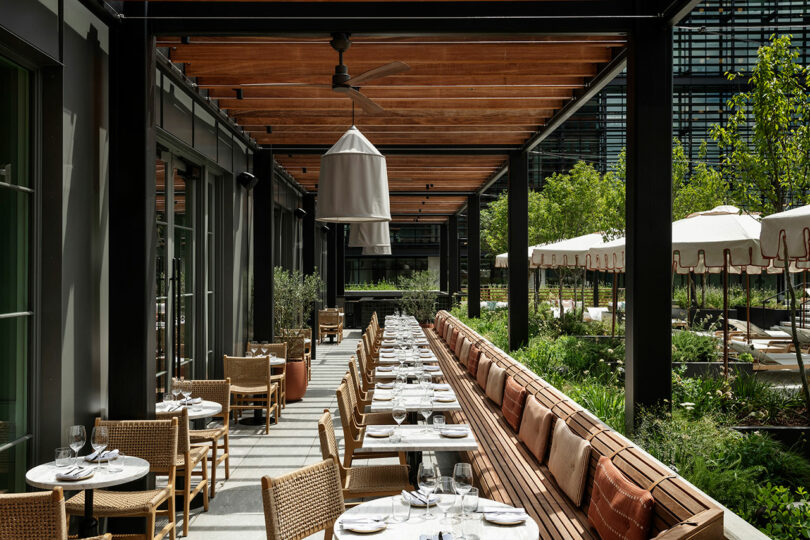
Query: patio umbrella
608	257
785	237
502	261
570	253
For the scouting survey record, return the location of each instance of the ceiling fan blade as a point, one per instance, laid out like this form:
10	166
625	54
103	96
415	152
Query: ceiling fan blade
364	102
382	71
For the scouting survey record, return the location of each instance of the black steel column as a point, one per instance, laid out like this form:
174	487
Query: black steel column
340	264
331	265
474	256
518	244
308	259
649	219
452	253
132	384
263	246
443	252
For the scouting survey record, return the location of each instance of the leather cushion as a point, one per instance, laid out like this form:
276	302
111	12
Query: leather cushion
472	360
496	380
535	427
484	363
514	397
619	509
464	351
568	461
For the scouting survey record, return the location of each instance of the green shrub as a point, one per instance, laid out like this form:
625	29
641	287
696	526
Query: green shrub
382	285
691	347
780	513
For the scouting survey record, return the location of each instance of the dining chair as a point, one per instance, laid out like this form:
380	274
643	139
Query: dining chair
252	387
35	516
297	349
366	481
329	325
156	442
279	373
188	457
216	437
362	392
317	488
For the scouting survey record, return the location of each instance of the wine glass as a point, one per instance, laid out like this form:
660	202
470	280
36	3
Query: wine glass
462	478
399	412
99	439
426	478
185	389
426	409
175	388
446	494
77	436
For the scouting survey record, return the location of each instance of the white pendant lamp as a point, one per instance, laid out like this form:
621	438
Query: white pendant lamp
353	182
377	250
374	238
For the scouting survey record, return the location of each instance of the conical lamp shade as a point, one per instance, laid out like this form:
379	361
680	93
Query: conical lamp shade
353	183
377	250
369	234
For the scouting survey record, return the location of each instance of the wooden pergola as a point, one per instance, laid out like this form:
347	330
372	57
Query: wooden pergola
488	81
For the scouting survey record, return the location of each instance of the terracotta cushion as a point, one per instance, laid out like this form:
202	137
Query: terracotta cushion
459	340
619	509
484	363
464	351
568	461
535	427
472	360
453	340
496	380
514	397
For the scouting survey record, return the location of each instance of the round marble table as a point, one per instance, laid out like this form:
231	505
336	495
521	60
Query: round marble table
44	477
204	409
417	524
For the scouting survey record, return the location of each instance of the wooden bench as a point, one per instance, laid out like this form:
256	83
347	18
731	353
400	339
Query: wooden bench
506	471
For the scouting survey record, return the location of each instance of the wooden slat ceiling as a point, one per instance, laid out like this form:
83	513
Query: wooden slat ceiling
461	90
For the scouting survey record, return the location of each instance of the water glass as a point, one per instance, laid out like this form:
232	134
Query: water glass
175	388
400	509
446	494
438	422
469	503
167	398
62	456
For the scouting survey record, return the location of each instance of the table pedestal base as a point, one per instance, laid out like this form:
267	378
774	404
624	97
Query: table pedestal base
88	525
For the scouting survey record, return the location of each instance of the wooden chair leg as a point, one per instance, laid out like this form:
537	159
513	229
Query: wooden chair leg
328	533
173	515
150	525
267	416
227	450
205	479
186	501
214	448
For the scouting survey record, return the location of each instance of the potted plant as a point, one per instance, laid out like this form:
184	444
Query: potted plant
295	295
419	296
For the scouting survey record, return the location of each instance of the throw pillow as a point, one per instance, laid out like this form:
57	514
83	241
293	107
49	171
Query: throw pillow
619	509
568	461
484	364
495	383
464	351
514	397
453	339
472	360
535	427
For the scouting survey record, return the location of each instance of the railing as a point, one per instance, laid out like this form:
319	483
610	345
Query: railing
546	294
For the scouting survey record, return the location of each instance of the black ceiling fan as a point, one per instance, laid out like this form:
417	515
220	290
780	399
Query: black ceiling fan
346	84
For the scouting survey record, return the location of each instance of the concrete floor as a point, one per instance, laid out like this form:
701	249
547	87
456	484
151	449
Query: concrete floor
236	511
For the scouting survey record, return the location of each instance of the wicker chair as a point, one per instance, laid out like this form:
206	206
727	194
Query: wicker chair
362	392
359	482
353	431
279	373
252	386
315	487
35	516
156	442
329	325
188	457
217	437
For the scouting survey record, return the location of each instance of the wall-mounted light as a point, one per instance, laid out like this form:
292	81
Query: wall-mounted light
247	180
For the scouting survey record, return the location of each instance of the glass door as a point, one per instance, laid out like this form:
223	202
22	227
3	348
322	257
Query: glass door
16	311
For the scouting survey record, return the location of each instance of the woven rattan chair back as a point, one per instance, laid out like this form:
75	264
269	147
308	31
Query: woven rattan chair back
152	440
295	347
303	502
183	441
247	371
354	375
329	446
218	391
345	408
368	346
33	516
329	318
277	349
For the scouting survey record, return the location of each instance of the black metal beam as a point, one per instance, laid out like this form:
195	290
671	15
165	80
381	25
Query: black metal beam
452	254
133	235
443	253
331	266
518	242
474	256
678	9
260	18
405	150
340	267
308	259
431	193
648	380
263	246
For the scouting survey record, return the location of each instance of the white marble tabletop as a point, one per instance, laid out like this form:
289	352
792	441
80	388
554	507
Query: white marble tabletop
417	524
44	476
419	438
203	409
410	372
412	400
274	360
393	359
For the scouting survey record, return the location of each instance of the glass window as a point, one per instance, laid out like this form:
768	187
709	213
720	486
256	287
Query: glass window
16	199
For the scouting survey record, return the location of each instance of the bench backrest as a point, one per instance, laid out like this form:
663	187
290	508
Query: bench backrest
675	500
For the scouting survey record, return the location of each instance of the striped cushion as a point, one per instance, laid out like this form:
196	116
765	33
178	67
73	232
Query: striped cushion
514	396
619	509
453	339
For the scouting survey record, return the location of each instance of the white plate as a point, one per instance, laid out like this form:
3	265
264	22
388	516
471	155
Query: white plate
380	434
365	528
506	519
445	399
382	398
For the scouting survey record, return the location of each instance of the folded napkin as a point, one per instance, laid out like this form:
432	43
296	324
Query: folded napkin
74	474
418	498
438	536
170	407
431	368
385	386
386	368
388	355
102	454
382	396
488	509
191	400
380	430
360	522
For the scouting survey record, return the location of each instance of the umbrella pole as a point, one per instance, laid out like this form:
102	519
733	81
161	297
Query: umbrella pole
615	306
582	291
559	276
792	308
748	306
725	315
804	292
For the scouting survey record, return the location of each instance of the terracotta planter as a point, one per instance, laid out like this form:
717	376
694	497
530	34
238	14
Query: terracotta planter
296	380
